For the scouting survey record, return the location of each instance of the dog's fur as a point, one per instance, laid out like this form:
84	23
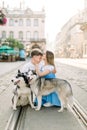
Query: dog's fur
21	92
41	86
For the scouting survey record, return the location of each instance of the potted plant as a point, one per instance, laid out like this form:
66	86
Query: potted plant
3	18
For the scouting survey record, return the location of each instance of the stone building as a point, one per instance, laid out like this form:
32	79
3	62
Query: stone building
26	26
72	40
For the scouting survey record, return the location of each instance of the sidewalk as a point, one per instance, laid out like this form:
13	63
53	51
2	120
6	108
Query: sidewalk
7	67
81	63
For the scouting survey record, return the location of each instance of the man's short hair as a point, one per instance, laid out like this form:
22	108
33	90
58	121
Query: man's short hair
36	52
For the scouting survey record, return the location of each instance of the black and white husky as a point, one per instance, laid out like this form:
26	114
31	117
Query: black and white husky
41	86
22	91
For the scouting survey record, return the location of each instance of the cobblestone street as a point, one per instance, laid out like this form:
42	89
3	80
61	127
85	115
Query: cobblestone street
76	73
8	71
76	76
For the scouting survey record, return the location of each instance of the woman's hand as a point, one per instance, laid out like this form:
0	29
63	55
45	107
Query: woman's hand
40	73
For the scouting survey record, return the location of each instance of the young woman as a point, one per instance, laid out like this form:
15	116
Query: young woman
48	70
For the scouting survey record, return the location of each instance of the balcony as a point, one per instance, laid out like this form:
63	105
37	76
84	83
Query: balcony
37	40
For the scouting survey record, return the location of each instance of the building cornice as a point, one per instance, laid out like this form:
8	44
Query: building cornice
27	13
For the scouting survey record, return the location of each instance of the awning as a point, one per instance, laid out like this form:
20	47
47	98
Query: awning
8	50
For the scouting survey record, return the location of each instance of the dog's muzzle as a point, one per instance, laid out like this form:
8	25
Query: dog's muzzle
29	79
16	82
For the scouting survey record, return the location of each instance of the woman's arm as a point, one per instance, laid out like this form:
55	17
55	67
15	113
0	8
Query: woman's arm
41	73
54	71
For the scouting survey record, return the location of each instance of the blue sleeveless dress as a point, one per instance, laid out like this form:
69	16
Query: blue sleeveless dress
52	98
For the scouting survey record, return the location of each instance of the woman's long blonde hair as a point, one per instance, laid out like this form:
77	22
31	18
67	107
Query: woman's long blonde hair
50	57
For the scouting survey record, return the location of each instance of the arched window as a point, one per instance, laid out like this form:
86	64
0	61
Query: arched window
85	49
3	34
20	22
11	22
28	22
11	34
35	35
35	22
28	35
21	35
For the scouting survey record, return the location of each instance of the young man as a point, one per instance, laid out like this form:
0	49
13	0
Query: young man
36	57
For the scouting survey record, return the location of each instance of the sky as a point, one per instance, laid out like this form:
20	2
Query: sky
58	12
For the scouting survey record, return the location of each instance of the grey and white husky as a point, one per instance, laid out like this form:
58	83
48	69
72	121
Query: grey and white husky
21	91
40	87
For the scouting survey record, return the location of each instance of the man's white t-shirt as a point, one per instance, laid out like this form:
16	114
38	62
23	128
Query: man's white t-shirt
30	66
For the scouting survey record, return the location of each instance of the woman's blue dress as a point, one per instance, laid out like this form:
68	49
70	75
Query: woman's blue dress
51	98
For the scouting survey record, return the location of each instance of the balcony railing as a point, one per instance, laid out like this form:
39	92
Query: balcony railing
37	40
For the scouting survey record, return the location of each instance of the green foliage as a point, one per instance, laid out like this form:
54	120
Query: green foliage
14	43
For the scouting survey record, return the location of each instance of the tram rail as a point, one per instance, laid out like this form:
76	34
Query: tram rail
80	112
16	116
14	122
14	119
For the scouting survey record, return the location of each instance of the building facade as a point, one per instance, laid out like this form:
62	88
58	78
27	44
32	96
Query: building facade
72	40
26	26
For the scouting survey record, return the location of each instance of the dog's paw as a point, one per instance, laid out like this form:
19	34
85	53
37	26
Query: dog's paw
34	107
37	109
14	108
60	110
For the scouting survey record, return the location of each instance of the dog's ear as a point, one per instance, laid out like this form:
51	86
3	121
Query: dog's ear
19	71
26	73
20	74
34	72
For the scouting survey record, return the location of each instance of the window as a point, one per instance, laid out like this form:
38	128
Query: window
20	22
28	35
35	22
11	34
85	49
85	35
21	35
28	22
11	22
35	35
3	34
